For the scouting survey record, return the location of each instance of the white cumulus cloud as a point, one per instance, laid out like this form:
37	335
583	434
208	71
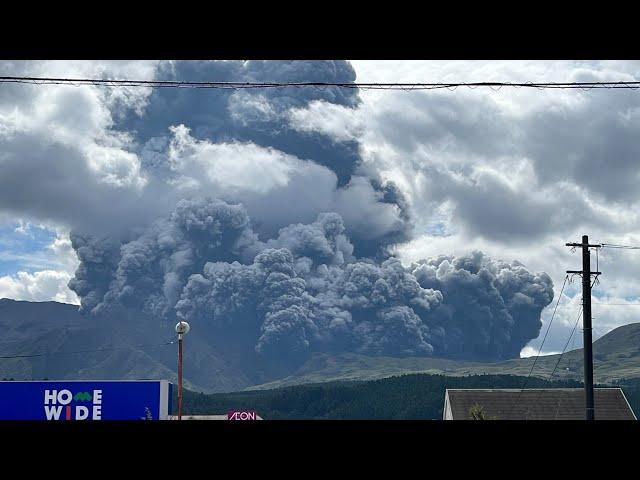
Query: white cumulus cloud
40	286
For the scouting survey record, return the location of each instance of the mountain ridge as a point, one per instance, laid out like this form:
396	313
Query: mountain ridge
68	345
616	357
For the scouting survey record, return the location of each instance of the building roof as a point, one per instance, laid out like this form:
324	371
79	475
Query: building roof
537	404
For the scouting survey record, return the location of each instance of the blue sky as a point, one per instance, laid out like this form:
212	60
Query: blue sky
24	247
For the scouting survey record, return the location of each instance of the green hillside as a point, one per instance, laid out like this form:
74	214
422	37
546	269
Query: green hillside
616	356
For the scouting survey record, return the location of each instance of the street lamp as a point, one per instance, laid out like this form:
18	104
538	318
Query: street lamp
182	328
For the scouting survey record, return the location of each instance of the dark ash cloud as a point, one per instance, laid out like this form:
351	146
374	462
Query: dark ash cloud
492	308
281	299
250	115
290	255
111	164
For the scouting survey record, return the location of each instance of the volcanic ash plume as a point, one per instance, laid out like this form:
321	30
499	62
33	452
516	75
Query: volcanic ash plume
304	291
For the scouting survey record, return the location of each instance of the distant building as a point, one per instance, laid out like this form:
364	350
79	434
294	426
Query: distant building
534	404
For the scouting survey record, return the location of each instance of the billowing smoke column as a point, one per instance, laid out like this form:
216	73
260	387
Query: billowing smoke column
305	291
296	277
148	273
259	119
257	116
491	309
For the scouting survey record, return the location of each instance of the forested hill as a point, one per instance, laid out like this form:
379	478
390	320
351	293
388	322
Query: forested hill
416	396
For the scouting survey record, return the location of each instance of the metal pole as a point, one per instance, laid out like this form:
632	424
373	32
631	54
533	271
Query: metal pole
586	315
180	376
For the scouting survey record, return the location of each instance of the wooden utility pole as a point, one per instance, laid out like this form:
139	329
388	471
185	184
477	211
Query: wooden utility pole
586	315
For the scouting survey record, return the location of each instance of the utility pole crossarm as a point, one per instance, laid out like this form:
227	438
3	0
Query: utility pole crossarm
595	245
579	272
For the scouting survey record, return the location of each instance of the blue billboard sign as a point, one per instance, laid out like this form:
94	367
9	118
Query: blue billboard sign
85	400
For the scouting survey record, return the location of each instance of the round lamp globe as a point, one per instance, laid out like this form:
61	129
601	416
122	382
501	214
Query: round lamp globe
182	328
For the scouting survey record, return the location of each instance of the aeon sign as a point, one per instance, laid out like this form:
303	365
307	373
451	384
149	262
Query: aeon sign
242	415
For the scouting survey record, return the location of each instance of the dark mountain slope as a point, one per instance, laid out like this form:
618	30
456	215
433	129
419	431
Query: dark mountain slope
129	348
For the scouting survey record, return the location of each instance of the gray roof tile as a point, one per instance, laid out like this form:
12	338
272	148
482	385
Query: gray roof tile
539	404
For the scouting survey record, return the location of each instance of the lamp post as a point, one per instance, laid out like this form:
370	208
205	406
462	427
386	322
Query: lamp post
182	328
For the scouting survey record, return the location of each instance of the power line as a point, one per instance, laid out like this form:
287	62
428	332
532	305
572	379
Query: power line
573	344
562	353
618	304
170	342
634	85
565	346
625	247
541	345
560	357
587	285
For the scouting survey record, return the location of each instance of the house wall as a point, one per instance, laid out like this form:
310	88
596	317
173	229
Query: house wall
446	411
